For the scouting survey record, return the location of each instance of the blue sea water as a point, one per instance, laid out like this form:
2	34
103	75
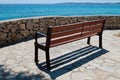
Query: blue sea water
12	11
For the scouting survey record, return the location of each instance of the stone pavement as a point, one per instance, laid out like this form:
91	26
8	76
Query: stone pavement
72	61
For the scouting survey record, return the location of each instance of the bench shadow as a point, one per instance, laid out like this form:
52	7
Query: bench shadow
71	61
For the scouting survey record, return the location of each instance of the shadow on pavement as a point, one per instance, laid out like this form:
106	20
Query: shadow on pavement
71	61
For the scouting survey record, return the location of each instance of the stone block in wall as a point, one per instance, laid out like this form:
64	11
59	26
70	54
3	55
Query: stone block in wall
13	30
29	24
35	25
24	21
80	19
41	24
22	26
2	25
19	22
13	22
3	36
1	29
13	36
51	22
41	29
35	20
8	22
9	38
31	32
25	33
118	24
5	30
9	26
74	20
18	37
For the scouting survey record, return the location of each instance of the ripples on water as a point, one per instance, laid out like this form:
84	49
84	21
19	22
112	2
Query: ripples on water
12	11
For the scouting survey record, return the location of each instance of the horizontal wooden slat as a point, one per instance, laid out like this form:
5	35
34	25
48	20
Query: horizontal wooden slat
65	39
68	41
65	33
100	21
90	23
57	44
66	27
91	32
92	27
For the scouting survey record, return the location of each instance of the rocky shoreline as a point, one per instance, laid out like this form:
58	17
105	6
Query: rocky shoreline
12	31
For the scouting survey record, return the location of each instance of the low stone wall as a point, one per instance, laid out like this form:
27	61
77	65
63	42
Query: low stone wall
16	30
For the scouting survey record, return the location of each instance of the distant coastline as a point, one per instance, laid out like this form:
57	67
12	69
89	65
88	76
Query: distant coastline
86	3
67	3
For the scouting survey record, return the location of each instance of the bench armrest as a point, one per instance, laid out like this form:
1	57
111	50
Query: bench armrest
39	33
42	34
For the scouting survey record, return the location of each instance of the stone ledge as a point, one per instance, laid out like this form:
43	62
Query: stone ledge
18	29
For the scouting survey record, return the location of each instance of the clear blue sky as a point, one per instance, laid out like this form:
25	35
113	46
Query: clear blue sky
54	1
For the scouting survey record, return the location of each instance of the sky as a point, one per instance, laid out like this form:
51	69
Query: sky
53	1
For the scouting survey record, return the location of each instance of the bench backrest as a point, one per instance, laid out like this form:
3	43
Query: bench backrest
58	35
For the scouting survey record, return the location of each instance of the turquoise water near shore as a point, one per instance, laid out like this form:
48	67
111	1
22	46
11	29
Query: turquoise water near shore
12	11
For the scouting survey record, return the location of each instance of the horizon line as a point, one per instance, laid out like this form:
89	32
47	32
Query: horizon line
69	3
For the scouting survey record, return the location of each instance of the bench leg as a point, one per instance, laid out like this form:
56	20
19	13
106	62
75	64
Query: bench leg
100	40
36	54
48	59
88	40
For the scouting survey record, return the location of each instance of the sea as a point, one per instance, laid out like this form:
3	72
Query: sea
13	11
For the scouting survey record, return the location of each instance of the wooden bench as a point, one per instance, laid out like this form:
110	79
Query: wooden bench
59	35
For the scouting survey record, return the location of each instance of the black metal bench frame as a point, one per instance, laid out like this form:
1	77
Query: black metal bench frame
83	30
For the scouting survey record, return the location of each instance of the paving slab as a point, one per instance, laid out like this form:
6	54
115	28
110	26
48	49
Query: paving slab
72	61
